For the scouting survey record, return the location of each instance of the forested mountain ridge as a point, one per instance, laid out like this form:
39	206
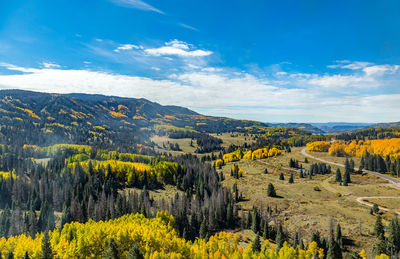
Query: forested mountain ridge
84	118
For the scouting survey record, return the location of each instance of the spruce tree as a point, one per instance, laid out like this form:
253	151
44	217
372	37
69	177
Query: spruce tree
338	176
281	177
266	171
271	190
111	251
378	228
249	220
47	252
255	222
339	238
134	252
279	238
10	255
256	244
26	256
346	179
375	208
203	229
266	234
291	180
296	240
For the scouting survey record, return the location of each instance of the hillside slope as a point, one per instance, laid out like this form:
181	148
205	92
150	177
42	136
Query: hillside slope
83	118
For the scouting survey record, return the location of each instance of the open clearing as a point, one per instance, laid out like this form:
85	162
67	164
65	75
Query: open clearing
306	210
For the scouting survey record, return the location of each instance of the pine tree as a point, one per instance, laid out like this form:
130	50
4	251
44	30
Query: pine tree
346	179
378	228
375	208
47	252
291	180
266	233
339	238
249	220
10	255
111	251
281	177
334	251
256	244
26	256
203	229
338	176
279	237
271	190
255	222
134	252
301	174
296	240
302	246
266	171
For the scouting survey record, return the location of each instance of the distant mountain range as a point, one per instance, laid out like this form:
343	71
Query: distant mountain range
334	127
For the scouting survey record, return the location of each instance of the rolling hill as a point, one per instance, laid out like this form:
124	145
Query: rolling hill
84	118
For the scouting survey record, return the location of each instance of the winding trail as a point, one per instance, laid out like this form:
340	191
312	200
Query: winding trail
393	182
369	204
396	182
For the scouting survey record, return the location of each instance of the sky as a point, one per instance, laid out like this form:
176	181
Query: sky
271	61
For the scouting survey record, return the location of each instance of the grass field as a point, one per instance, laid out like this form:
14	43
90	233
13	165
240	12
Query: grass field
300	207
305	210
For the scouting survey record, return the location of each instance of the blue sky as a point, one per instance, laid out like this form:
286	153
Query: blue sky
272	61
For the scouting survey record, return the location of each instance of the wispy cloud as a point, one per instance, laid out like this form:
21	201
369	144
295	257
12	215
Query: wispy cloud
50	65
188	27
137	4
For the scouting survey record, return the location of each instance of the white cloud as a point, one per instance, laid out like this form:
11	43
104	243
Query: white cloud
123	47
380	69
177	48
137	4
219	91
50	65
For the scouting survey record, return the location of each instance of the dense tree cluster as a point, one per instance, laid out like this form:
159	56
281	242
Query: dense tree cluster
134	236
205	142
383	147
370	133
90	190
320	168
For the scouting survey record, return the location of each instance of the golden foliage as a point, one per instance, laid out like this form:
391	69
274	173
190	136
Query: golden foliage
6	175
319	146
26	146
118	114
29	112
383	147
156	237
99	128
123	109
262	153
138	117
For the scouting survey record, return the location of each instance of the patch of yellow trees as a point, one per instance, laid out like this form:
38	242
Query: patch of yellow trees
383	147
319	146
156	238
